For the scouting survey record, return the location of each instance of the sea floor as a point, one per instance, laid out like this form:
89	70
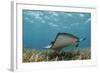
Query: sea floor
33	55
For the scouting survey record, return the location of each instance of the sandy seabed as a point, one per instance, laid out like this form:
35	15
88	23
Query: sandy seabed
33	55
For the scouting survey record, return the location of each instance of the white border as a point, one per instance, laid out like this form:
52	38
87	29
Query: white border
17	38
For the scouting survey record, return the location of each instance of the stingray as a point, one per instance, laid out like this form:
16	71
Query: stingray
63	40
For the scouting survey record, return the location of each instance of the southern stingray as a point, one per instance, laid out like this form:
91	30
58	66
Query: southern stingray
64	40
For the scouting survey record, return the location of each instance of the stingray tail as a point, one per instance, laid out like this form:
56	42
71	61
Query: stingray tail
80	41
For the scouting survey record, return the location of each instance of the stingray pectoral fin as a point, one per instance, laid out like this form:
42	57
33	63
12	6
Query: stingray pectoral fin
77	45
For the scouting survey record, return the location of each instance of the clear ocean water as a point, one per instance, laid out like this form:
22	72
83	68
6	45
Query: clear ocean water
41	27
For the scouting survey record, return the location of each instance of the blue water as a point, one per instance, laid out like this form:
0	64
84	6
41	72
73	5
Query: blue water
41	27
